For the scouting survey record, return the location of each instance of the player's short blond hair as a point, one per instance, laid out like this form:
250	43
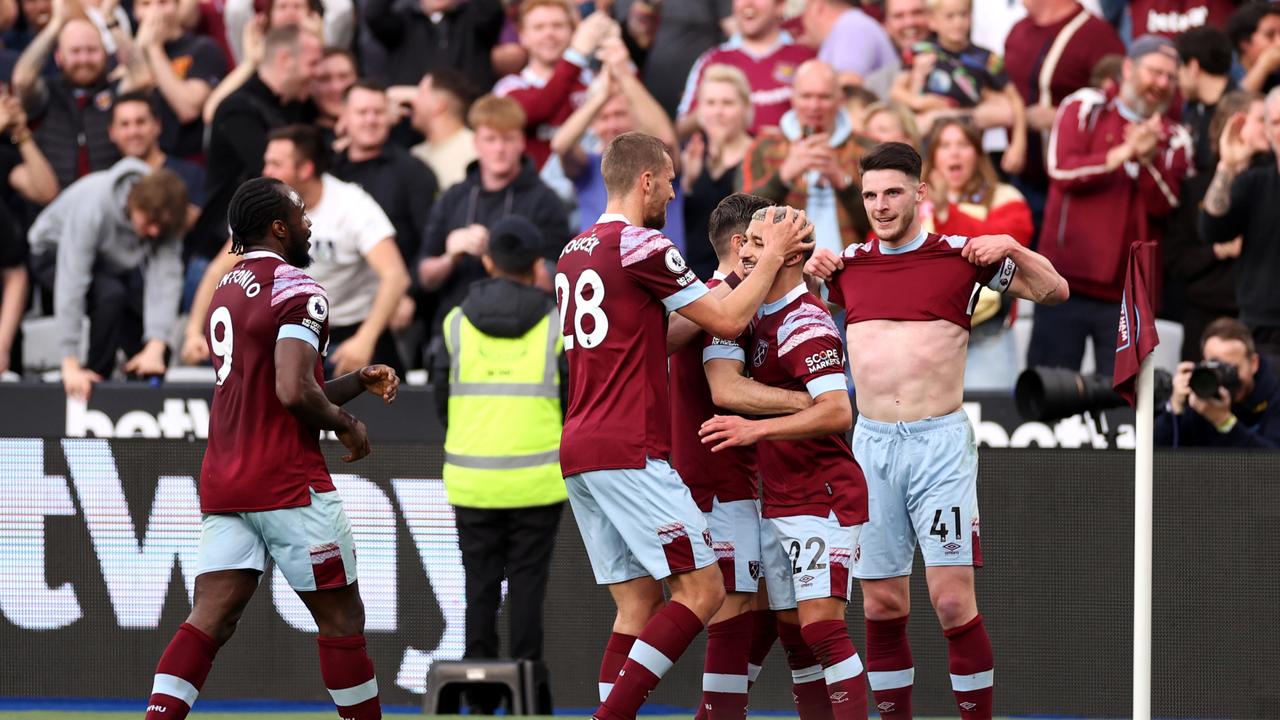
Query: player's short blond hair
733	77
496	113
529	6
629	156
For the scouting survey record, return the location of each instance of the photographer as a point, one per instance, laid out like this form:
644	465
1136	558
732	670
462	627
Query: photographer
1244	412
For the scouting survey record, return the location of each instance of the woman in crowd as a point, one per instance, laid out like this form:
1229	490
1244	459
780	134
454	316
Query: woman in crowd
712	160
967	198
890	122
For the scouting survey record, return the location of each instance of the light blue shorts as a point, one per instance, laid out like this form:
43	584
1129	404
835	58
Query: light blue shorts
807	558
639	523
922	486
312	544
735	535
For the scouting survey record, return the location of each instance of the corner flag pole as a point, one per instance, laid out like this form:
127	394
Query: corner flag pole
1142	509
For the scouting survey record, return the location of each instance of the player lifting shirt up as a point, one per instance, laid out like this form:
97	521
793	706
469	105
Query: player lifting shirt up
614	286
908	296
815	497
264	487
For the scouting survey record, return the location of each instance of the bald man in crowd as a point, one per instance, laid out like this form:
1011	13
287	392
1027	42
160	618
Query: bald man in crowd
809	161
71	108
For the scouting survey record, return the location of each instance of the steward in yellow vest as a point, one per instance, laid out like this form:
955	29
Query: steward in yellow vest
499	378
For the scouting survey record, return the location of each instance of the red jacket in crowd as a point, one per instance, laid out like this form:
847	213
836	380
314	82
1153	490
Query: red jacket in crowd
1093	214
546	104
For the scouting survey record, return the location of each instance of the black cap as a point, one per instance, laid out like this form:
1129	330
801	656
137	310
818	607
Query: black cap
515	244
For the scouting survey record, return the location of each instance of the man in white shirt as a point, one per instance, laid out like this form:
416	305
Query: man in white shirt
353	251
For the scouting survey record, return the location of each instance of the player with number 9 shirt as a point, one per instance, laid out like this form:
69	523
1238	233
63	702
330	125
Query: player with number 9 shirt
264	487
616	282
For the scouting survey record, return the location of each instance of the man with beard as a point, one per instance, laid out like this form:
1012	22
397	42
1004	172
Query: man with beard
616	283
1116	165
264	487
909	295
72	109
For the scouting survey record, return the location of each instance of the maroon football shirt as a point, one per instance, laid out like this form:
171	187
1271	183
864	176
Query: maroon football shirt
261	457
794	345
615	285
729	474
926	279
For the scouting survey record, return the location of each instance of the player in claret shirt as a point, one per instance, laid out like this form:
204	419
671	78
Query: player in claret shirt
815	498
264	487
724	485
908	296
616	283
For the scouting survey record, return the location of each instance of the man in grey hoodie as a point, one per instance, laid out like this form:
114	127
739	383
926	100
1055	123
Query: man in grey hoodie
110	248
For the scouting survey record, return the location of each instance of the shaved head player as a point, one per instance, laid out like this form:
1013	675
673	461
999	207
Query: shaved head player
264	487
908	295
616	283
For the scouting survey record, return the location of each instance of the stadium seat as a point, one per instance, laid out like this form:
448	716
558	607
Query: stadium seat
526	681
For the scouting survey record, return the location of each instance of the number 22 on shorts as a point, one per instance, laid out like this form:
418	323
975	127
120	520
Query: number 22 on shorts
584	307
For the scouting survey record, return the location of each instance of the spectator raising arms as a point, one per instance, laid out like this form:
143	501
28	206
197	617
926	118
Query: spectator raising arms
711	164
966	198
555	81
765	53
617	104
181	67
72	109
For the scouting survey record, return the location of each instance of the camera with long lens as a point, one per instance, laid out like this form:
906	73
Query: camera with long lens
1212	375
1046	394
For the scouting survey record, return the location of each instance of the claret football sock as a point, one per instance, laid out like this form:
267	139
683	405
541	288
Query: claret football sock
348	675
662	642
972	669
615	656
724	673
181	673
808	684
890	668
764	631
841	668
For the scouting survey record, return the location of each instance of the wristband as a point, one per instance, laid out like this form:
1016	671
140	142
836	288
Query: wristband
1227	425
21	136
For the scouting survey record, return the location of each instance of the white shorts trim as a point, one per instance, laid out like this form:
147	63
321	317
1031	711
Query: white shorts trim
813	554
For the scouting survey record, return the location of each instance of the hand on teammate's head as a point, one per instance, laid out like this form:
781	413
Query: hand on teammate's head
787	231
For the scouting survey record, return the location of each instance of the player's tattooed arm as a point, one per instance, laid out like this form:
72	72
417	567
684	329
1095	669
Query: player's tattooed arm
301	395
733	391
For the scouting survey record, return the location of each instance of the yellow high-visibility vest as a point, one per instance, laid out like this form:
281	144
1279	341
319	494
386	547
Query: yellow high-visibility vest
502	448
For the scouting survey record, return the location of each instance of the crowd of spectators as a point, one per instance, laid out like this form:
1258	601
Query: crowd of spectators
412	127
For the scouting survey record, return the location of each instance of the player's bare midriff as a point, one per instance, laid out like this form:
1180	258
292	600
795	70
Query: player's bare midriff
906	371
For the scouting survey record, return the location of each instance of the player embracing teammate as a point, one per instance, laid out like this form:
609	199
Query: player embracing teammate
615	284
814	494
